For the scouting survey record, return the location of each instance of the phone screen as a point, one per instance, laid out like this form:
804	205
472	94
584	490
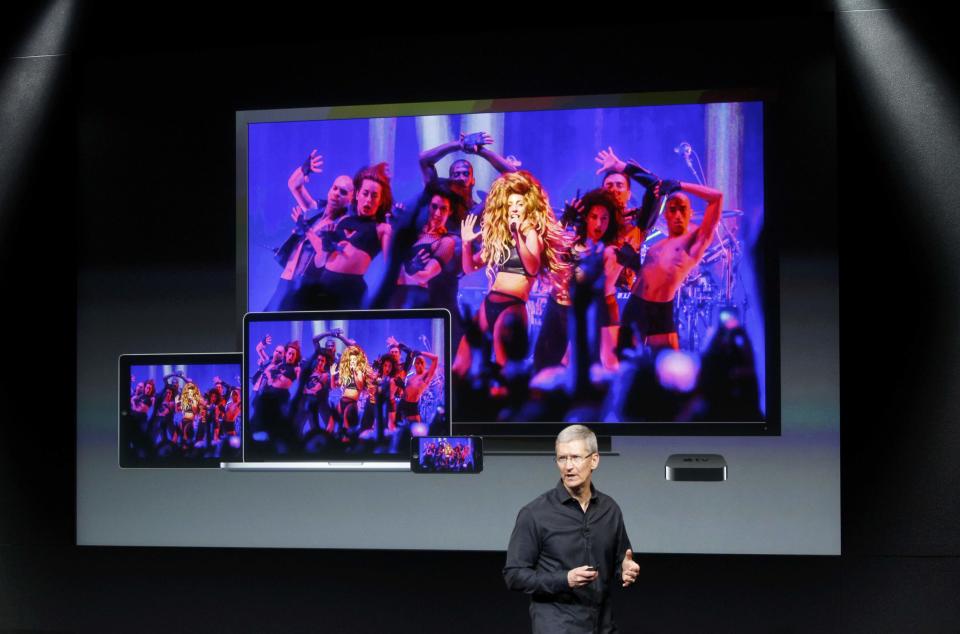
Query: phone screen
446	454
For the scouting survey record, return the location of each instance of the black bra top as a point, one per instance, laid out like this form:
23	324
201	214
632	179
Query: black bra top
362	233
514	264
412	257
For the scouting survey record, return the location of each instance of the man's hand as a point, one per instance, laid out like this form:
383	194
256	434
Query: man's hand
667	187
313	165
473	142
609	162
579	577
630	569
299	217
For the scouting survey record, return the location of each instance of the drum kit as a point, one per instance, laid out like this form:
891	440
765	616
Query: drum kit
432	397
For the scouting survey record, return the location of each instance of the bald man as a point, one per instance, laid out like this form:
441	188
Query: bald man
304	247
649	313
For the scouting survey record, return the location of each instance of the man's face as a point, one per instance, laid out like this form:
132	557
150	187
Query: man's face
278	354
598	220
395	353
341	193
368	198
619	184
677	214
462	172
419	364
575	476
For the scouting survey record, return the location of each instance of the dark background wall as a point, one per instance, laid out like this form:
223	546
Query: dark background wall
137	97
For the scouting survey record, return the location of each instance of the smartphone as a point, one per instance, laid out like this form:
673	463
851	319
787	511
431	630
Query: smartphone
446	454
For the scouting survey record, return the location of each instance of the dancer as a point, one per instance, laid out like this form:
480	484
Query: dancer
352	374
599	233
337	282
317	393
461	170
272	408
190	403
304	247
390	382
650	309
429	270
233	414
522	241
415	385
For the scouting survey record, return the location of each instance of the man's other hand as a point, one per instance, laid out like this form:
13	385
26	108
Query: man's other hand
630	569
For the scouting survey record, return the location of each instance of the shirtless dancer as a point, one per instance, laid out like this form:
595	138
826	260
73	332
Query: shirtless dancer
667	263
415	385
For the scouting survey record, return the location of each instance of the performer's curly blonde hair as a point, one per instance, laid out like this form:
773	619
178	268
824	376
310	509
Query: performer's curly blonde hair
353	352
555	266
190	397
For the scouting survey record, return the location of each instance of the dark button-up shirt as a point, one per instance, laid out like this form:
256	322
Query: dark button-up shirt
554	535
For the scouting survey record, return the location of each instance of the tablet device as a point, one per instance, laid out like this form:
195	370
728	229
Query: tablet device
180	410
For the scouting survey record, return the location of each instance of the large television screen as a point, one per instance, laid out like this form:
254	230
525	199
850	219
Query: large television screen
605	258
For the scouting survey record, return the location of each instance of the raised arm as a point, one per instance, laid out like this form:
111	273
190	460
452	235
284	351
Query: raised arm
649	209
480	148
473	143
703	234
297	183
610	162
433	364
430	157
262	357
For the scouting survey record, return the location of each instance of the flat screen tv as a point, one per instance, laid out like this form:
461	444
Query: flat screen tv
606	259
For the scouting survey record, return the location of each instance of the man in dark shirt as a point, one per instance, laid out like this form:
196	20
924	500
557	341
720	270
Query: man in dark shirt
570	545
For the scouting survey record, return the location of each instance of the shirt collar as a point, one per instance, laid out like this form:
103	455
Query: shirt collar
563	496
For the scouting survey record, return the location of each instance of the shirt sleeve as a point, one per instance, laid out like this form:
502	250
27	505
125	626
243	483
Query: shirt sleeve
520	571
623	543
